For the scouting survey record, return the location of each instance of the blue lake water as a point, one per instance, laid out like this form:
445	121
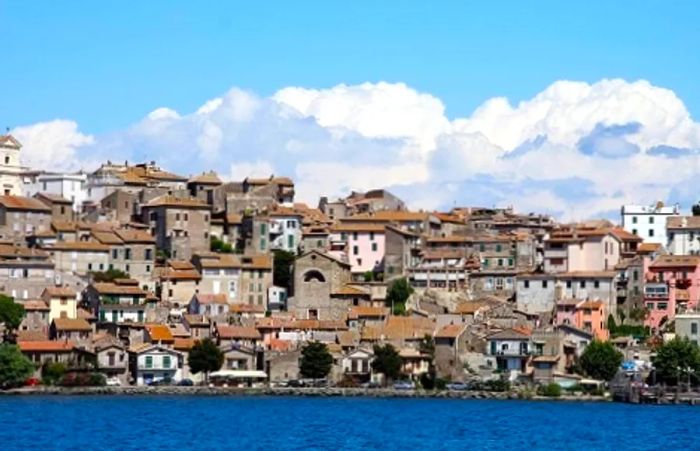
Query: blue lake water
208	423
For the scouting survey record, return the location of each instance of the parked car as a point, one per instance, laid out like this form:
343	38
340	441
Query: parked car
457	386
186	383
295	383
370	385
403	385
113	382
159	382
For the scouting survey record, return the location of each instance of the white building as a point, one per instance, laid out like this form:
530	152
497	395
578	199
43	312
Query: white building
150	363
285	230
648	222
10	169
69	186
683	233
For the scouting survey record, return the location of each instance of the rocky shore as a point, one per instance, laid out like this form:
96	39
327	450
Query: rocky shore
269	391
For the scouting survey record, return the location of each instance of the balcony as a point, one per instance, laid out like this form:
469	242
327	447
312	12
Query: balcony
656	291
157	366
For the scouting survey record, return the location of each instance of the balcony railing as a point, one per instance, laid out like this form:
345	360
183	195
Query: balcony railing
157	366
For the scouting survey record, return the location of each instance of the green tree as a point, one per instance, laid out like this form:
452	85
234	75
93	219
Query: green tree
316	361
109	276
611	323
396	296
15	368
11	315
387	361
205	357
282	269
368	276
638	314
677	360
600	360
218	245
52	373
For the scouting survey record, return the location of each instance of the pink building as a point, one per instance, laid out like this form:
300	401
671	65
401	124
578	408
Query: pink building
672	286
582	249
361	245
590	316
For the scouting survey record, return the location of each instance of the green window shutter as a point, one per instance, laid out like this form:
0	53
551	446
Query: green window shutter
166	361
149	361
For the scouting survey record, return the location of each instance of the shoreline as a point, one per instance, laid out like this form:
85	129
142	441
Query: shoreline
293	392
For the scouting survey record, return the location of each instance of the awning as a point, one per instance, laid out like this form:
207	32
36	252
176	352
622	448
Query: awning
239	374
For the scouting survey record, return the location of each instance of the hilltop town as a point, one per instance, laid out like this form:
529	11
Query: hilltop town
125	270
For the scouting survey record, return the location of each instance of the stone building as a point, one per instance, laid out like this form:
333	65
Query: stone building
317	276
22	216
24	272
180	225
61	208
79	257
130	250
120	205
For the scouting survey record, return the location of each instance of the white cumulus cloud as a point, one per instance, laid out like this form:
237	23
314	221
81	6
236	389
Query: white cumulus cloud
575	149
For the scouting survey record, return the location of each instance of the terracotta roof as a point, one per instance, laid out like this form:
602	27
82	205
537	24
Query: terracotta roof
177	274
676	261
213	260
183	344
281	211
64	226
313	324
45	346
451	331
78	246
9	141
256	261
389	216
84	314
469	308
586	274
34	305
349	290
209	298
648	247
71	324
113	288
400	328
134	236
449	239
233	332
54	198
594	305
361	311
180	264
32	335
624	235
280	345
683	222
107	237
178	202
269	323
9	251
246	308
60	292
510	334
206	178
344	227
23	203
159	332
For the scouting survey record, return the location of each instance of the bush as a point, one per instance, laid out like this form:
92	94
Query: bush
427	381
498	385
552	390
441	383
52	373
74	379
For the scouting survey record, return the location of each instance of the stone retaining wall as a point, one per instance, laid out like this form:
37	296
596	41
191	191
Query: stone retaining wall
318	392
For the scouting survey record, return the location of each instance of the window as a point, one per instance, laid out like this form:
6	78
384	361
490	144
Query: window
634	219
498	248
355	250
177	216
635	275
166	361
148	254
482	247
290	241
544	284
634	231
127	254
374	247
371	236
694	328
500	262
354	236
89	266
651	219
115	253
187	216
526	283
596	284
510	262
262	244
263	229
582	284
149	361
651	232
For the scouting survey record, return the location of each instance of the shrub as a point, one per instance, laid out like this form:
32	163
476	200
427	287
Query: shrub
498	385
441	383
52	373
552	390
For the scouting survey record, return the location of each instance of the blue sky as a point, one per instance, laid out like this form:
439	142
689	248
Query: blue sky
104	64
572	108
